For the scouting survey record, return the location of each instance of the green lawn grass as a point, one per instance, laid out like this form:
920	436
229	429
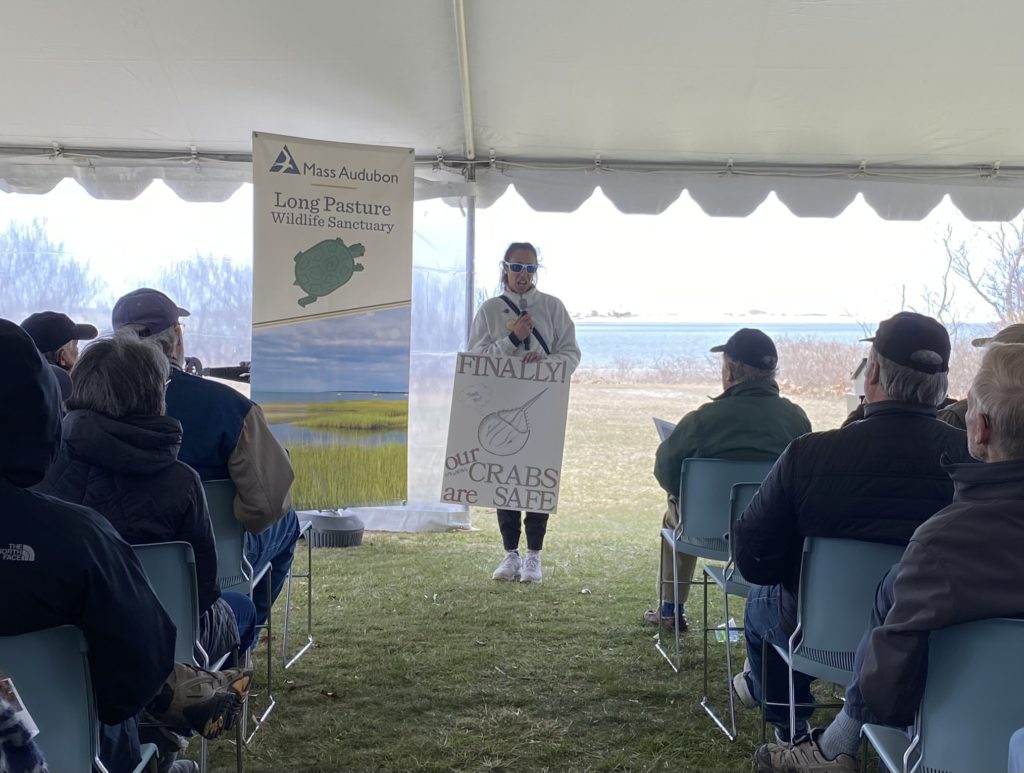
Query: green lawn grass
423	663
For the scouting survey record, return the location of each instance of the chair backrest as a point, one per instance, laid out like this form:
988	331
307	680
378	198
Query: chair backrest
742	494
227	533
838	579
171	570
973	671
50	670
705	501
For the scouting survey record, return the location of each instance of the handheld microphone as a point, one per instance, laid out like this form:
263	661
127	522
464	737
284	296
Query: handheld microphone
523	308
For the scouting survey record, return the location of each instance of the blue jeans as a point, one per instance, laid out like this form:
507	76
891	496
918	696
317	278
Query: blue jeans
119	746
276	545
770	616
245	616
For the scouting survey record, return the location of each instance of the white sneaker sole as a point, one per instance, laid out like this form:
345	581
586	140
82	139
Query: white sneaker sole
503	578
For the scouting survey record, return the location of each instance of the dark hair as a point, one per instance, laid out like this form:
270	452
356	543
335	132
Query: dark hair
514	246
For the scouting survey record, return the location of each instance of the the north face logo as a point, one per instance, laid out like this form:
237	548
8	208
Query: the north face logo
15	552
285	163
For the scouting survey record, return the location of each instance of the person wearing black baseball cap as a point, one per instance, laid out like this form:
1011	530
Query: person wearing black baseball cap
57	336
876	479
955	412
749	421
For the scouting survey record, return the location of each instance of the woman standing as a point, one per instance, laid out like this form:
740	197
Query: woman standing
523	322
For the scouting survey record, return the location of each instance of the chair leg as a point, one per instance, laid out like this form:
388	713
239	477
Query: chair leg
674	661
308	577
271	702
706	700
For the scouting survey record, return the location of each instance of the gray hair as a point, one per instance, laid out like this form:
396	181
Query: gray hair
166	339
906	385
998	392
120	376
742	372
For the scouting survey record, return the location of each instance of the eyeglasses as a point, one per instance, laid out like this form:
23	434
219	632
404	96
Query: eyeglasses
515	268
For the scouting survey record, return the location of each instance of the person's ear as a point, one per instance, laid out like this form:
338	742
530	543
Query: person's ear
873	374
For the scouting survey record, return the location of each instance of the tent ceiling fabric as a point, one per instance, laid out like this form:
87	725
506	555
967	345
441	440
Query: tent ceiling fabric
726	100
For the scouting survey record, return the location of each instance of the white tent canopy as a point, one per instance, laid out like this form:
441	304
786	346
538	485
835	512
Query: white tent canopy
817	100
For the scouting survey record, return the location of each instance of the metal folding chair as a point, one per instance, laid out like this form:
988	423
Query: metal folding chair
50	670
972	672
304	527
731	582
838	580
704	504
235	573
171	570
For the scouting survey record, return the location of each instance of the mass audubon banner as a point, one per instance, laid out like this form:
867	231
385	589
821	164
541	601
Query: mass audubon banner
332	288
506	433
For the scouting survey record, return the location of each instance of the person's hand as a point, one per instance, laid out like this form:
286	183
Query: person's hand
523	327
533	356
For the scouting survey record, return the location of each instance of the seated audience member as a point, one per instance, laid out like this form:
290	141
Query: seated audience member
749	421
962	564
64	564
956	413
119	456
224	435
57	337
877	479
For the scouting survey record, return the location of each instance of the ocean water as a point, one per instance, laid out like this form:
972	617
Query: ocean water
614	344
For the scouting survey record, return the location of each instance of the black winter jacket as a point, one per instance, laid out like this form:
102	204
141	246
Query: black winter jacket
61	564
877	479
128	470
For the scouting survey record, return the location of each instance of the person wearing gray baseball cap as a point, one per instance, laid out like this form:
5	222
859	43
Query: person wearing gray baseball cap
57	337
956	413
224	436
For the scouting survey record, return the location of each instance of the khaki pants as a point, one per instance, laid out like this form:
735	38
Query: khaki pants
684	564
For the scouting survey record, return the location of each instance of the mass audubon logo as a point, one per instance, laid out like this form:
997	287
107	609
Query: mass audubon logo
285	163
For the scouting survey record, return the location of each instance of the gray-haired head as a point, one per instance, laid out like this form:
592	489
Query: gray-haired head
997	392
119	376
907	384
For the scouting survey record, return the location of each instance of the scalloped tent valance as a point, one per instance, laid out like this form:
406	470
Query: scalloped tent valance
902	102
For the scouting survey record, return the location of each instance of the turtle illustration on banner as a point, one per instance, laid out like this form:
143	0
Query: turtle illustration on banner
325	267
504	433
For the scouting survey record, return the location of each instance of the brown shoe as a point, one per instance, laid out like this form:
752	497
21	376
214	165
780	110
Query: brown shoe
206	701
653	617
802	757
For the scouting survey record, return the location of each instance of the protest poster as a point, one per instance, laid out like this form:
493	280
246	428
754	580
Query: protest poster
506	433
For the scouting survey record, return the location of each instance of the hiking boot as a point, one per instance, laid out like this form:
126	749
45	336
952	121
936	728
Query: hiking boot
741	686
653	617
509	568
531	569
206	701
802	757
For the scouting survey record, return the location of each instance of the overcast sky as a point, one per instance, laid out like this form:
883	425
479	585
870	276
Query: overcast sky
681	263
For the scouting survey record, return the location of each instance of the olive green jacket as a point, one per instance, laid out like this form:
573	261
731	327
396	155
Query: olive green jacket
747	422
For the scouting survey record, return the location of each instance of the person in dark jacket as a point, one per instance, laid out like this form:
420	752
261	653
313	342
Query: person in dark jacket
119	456
749	421
64	564
956	412
877	479
224	435
962	564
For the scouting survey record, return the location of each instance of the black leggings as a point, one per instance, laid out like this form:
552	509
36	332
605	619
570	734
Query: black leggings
510	526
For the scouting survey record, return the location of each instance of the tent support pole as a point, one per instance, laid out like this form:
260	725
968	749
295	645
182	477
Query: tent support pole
467	96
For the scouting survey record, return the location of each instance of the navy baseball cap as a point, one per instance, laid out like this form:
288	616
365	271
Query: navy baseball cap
751	347
50	330
913	340
147	307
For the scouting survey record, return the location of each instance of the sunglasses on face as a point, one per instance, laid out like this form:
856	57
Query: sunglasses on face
515	268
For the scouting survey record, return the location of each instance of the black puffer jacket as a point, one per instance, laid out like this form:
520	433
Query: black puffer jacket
876	479
128	470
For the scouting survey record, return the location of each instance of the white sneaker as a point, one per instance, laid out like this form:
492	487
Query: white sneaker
531	569
509	568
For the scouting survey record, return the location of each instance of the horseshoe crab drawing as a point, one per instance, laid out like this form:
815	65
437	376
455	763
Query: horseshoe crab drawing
325	267
503	433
